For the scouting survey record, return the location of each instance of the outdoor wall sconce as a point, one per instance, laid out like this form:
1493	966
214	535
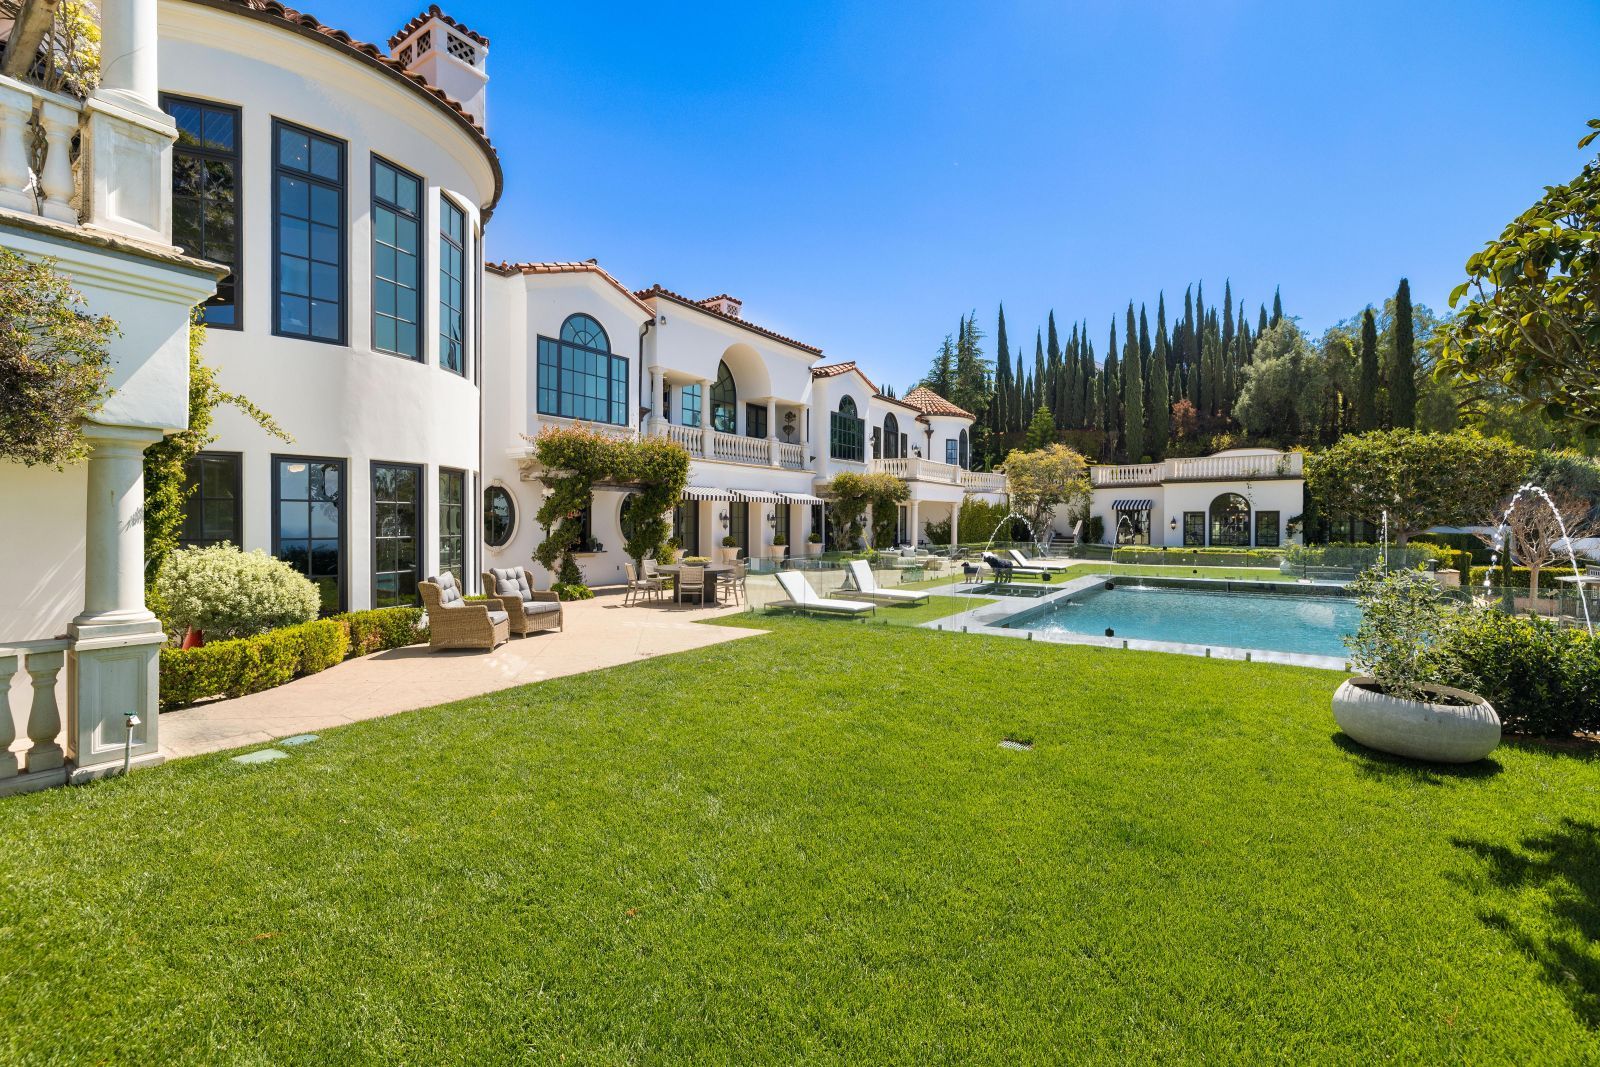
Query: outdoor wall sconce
1173	525
724	517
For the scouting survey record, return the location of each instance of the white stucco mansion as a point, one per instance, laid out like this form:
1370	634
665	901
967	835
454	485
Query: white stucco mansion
325	200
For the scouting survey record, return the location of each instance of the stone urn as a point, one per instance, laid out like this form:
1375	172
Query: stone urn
1457	727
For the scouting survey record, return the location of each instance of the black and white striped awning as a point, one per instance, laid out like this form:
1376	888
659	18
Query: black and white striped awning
701	492
801	498
755	496
1133	505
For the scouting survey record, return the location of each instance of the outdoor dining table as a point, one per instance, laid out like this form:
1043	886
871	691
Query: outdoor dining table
714	571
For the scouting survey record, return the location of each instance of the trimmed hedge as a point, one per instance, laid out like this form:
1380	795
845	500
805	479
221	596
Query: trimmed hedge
1216	557
1519	578
1541	679
252	664
1361	555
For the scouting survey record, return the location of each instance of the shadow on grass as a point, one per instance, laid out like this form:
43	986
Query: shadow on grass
1382	765
1577	748
1562	866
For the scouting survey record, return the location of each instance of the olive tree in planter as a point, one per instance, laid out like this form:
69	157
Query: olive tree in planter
1396	703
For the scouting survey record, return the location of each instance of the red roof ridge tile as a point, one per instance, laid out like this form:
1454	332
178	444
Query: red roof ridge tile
662	291
433	12
588	266
929	402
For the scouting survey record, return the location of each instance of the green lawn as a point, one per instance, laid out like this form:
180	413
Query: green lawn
808	847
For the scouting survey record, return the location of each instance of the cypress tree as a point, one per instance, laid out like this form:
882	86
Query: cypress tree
1019	406
1402	379
1002	376
1040	374
1086	376
1277	306
1227	315
1261	324
1069	381
1133	398
1367	383
1111	392
1052	364
1158	413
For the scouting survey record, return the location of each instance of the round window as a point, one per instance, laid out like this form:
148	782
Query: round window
499	516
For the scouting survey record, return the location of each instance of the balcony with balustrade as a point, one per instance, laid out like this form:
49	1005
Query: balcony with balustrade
1265	466
716	446
917	469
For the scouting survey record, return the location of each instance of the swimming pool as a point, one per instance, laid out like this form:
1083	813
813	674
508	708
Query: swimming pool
1285	622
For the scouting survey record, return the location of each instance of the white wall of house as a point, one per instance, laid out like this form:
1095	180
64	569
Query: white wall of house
347	401
1266	488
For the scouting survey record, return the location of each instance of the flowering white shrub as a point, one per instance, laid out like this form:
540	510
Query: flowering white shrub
223	592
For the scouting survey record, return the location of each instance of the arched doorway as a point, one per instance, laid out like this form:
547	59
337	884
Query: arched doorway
1230	521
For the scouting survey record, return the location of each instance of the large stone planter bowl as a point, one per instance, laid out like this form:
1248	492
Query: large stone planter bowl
1437	732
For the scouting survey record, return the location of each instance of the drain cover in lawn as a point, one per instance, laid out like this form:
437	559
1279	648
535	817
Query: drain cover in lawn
265	755
299	739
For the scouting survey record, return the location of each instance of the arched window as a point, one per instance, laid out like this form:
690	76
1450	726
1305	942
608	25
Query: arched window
1230	521
847	439
724	401
891	437
965	461
579	378
499	516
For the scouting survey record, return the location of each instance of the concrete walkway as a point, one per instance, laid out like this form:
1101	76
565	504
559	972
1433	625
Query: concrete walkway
599	633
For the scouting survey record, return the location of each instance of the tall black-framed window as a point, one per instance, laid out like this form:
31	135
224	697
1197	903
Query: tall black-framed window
1230	521
499	516
755	420
308	234
847	433
453	523
877	442
686	526
213	512
782	520
396	260
817	526
1194	529
397	502
739	525
206	170
452	287
964	460
579	378
308	522
1133	526
1267	533
689	397
891	438
724	401
586	541
952	451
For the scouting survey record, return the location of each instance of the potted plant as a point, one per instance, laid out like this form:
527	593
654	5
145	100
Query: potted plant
673	549
814	539
781	543
730	549
1396	703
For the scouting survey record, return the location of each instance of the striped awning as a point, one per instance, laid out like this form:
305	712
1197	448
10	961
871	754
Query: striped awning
701	492
1133	505
801	498
756	496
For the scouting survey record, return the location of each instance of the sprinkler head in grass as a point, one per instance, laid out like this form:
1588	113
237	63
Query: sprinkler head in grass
1110	632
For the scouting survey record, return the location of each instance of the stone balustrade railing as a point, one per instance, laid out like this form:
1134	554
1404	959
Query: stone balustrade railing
917	469
983	481
93	162
690	437
791	457
736	448
1201	469
42	660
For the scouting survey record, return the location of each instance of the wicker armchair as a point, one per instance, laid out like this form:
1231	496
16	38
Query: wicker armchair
453	622
530	609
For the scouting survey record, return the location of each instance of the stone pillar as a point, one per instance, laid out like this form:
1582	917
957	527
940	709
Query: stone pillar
772	434
128	72
955	525
658	398
707	442
916	524
112	666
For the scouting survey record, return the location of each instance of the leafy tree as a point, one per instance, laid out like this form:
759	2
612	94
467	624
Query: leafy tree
1185	419
1532	324
54	363
1419	479
1042	430
1041	480
1284	388
855	495
1367	385
1402	377
1537	532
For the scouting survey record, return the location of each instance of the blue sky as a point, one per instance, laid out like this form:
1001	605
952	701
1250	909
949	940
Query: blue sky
863	174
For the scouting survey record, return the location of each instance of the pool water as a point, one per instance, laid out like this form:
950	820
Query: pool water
1310	625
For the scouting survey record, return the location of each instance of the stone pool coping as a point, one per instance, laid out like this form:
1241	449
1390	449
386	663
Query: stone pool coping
991	619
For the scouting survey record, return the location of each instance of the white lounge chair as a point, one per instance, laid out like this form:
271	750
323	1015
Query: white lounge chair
1039	564
804	598
867	588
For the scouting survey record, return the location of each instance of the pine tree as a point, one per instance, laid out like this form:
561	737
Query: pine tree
1402	378
1002	377
971	385
1158	413
1277	306
943	371
1133	400
1367	384
1042	429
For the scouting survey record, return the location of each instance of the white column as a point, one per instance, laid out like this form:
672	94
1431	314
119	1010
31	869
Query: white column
916	523
706	441
128	43
955	525
658	399
112	666
772	435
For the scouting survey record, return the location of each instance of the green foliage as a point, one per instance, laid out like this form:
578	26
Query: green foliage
1286	389
250	664
223	592
1362	555
1404	613
877	496
1531	327
1212	557
572	591
1040	480
575	458
54	363
1420	479
1042	430
1516	578
1367	385
1541	679
166	483
1402	373
380	629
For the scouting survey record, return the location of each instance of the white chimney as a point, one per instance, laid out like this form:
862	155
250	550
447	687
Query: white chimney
723	304
448	56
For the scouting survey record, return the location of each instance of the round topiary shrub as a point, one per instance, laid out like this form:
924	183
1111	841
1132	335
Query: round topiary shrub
223	592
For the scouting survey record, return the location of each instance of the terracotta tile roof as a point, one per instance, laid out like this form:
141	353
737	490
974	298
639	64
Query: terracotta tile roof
588	266
929	402
433	12
896	400
656	291
833	370
308	26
